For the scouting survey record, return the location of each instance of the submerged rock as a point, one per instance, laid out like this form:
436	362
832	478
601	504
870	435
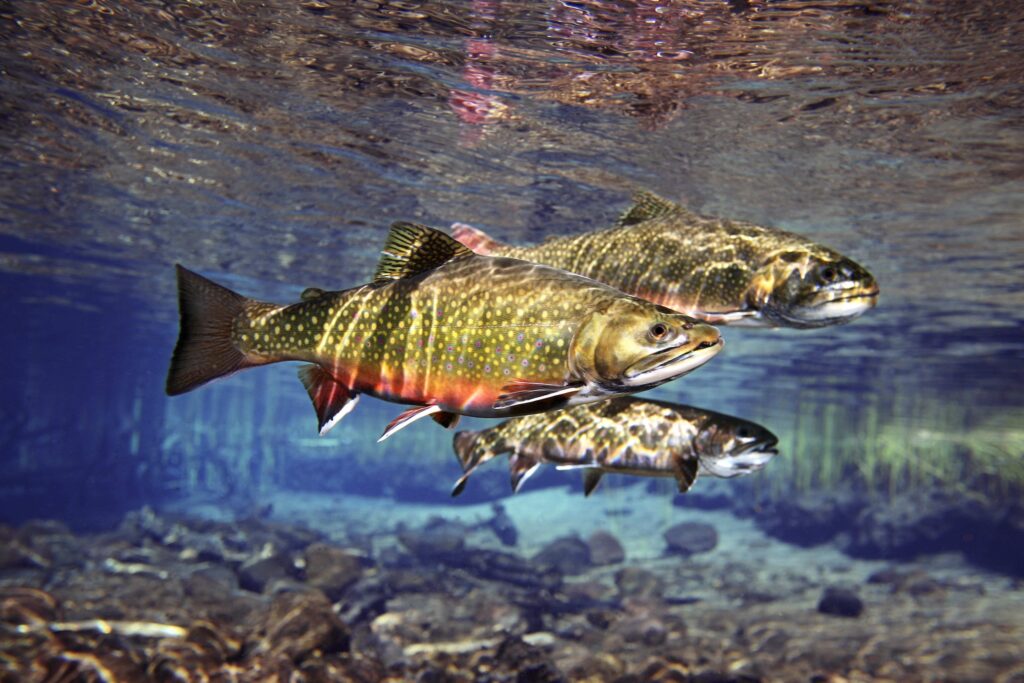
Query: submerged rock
568	555
531	663
690	538
638	582
438	541
810	518
300	624
922	522
256	573
840	602
605	548
331	569
503	526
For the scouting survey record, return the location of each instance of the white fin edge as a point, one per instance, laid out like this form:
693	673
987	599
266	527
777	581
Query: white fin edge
411	416
345	410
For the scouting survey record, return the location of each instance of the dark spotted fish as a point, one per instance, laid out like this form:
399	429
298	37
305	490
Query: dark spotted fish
444	329
624	435
720	271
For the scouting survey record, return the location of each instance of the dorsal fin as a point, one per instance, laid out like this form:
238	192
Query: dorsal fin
310	293
476	239
647	205
413	248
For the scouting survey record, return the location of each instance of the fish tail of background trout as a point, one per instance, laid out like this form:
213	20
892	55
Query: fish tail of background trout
205	348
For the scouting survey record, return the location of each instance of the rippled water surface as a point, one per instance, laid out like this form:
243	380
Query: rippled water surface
269	145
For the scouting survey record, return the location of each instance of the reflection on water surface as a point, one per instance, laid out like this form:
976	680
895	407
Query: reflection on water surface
273	143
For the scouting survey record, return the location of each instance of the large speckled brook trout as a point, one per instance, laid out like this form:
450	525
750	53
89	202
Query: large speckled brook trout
623	435
446	330
720	271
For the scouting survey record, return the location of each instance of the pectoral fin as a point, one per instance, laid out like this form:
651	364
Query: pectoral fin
460	484
407	418
686	472
520	468
331	399
591	478
520	393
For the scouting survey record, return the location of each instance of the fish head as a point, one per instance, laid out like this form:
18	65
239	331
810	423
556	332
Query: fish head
812	288
628	344
728	446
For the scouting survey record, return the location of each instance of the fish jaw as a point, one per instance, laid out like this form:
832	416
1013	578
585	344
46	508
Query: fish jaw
734	466
737	456
672	363
837	310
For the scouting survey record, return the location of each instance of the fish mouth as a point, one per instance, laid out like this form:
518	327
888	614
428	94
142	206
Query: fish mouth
866	295
833	307
672	364
744	460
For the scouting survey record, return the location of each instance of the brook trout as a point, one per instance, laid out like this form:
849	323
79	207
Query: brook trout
444	329
623	435
720	271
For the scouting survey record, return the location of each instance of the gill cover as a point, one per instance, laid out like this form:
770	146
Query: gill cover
628	344
608	342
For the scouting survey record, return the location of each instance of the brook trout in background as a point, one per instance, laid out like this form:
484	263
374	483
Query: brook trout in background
446	330
720	271
625	436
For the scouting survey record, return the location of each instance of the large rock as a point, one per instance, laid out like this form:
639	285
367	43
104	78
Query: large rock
568	555
922	522
810	518
331	569
438	541
690	538
605	548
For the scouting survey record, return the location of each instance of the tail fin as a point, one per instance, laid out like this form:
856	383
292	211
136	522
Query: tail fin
204	350
476	239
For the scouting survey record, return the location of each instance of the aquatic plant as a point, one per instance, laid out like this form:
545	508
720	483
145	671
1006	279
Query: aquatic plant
893	443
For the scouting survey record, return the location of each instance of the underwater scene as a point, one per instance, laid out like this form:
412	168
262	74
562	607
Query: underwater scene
715	309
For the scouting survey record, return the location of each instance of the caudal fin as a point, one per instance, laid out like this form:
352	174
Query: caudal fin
476	239
204	350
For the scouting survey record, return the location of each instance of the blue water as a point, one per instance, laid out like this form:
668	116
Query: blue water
269	147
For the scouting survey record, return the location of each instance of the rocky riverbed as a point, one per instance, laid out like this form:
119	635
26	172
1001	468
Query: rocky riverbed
549	587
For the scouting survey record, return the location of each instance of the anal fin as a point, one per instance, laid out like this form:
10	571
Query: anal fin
520	393
331	399
406	418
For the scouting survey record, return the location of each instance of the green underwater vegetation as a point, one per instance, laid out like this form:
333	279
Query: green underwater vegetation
898	442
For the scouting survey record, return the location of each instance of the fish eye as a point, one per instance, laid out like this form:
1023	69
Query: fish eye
743	433
658	331
828	273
